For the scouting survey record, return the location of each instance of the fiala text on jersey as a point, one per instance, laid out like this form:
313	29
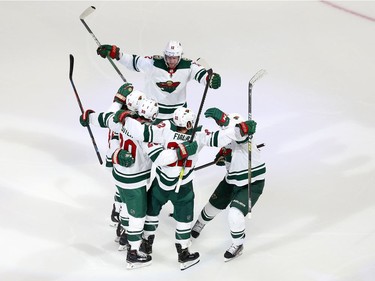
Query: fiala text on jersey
181	137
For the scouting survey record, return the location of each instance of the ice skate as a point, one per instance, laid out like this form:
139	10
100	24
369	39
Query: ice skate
146	245
137	259
233	252
185	258
123	242
197	228
120	230
115	217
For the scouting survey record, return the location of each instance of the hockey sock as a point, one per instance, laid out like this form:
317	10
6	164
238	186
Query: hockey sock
151	224
183	233
237	225
208	213
135	231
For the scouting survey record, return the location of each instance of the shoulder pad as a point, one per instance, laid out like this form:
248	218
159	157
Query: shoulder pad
173	126
158	121
184	63
199	128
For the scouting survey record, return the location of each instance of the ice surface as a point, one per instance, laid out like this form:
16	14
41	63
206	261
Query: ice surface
315	112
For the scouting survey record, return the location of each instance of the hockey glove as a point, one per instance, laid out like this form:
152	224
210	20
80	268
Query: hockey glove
185	149
109	50
215	81
84	119
224	154
247	127
220	117
122	157
120	116
123	92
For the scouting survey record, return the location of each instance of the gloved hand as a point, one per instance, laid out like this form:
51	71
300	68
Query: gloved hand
120	116
247	127
84	118
109	50
220	117
122	157
185	149
215	81
224	154
123	92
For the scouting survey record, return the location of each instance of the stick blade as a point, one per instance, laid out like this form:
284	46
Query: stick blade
71	65
87	12
257	76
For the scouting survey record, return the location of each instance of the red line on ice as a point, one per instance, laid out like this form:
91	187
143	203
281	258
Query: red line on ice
348	10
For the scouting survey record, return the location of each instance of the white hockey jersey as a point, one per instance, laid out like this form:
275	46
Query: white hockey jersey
164	138
237	164
166	86
139	173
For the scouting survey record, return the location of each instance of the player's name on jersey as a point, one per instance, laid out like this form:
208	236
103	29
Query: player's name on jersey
183	137
126	132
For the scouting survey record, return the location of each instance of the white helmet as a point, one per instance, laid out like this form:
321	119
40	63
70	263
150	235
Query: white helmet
184	117
133	99
173	49
148	109
234	118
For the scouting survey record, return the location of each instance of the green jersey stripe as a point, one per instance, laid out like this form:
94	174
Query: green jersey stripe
200	74
131	178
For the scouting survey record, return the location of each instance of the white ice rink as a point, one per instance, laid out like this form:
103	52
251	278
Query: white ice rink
315	113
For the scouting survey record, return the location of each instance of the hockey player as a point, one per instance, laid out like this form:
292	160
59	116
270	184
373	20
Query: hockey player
131	172
132	103
119	102
166	77
170	148
232	191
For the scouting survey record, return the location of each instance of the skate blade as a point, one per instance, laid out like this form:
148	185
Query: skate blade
113	224
186	265
236	256
123	248
137	265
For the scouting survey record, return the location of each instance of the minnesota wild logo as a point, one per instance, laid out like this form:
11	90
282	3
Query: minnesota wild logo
168	86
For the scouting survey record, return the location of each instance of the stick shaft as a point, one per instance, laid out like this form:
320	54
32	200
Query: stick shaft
177	189
249	142
253	79
81	108
98	43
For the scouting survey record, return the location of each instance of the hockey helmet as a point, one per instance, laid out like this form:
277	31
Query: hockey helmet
133	99
184	117
148	109
173	49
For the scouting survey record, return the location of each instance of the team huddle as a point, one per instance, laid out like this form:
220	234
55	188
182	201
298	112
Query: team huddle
154	129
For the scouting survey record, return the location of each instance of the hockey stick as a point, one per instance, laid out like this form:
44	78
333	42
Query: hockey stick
209	163
205	165
210	72
82	17
253	79
81	107
218	160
